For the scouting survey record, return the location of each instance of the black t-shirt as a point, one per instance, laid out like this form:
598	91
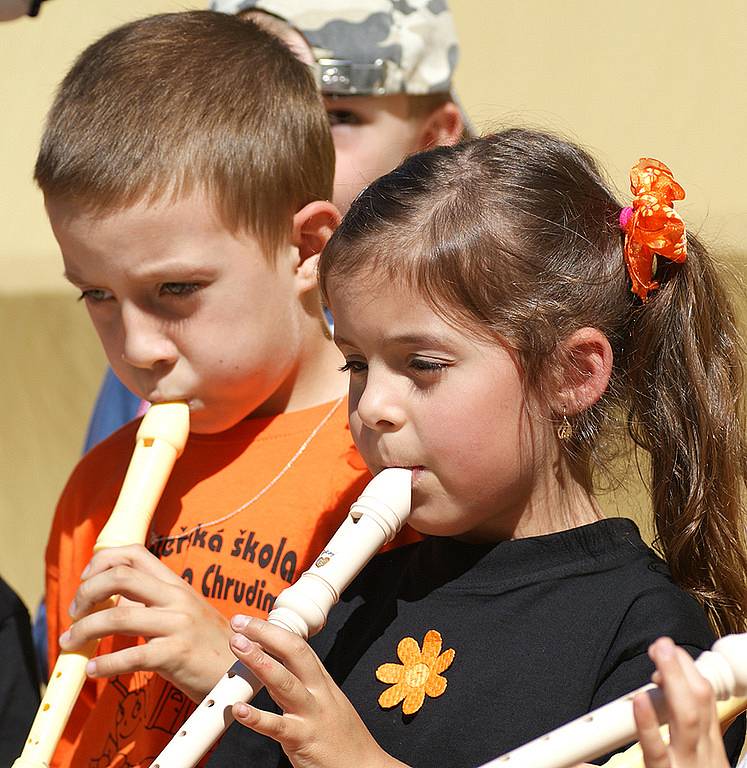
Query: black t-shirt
19	686
543	630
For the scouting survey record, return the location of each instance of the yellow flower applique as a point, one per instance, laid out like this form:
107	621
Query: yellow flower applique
418	674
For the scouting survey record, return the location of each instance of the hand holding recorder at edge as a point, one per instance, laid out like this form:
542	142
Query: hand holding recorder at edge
696	740
186	638
319	727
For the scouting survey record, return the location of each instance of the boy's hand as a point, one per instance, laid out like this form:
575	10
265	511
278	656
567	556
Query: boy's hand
319	727
187	639
696	740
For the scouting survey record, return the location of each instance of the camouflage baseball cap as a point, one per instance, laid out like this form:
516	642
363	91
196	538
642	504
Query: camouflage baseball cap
370	47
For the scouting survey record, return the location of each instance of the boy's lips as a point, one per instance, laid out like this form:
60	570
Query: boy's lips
158	400
157	396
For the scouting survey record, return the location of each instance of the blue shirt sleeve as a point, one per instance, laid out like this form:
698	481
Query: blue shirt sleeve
115	406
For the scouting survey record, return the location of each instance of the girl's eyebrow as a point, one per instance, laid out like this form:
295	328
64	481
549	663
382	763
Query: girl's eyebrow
421	339
429	339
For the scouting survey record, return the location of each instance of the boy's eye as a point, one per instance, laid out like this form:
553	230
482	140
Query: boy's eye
354	366
178	289
94	295
342	117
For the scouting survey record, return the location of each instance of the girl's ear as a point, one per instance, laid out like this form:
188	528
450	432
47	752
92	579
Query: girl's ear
312	227
585	366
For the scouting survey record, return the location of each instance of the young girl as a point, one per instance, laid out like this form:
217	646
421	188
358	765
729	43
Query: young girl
503	323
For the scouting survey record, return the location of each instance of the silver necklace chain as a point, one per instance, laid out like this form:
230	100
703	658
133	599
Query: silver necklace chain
155	539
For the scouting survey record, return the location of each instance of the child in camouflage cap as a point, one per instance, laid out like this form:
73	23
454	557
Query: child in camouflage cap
385	69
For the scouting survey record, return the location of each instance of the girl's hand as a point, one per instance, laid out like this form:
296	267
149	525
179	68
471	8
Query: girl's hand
696	740
187	639
319	727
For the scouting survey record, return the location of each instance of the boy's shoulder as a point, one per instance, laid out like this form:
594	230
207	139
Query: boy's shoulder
105	459
94	483
326	424
314	443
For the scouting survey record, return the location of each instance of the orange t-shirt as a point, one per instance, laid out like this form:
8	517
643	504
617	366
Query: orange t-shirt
238	560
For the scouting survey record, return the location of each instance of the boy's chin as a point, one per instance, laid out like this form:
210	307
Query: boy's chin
204	420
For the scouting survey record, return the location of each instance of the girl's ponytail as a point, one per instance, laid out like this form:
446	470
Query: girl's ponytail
685	408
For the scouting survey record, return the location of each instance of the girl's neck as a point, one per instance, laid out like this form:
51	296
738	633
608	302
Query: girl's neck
573	507
559	500
562	499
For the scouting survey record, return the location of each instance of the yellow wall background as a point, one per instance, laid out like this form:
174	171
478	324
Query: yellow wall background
643	77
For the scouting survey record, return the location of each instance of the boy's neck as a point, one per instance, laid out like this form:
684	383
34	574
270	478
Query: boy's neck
316	379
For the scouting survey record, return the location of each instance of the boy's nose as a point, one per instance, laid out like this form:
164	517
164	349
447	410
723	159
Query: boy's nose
145	343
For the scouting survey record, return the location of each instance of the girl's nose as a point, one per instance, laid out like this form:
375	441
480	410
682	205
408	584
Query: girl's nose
380	405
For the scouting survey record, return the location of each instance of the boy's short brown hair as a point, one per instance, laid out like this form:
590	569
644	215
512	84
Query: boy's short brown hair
183	101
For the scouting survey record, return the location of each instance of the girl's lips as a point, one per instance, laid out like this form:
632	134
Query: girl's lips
417	471
413	467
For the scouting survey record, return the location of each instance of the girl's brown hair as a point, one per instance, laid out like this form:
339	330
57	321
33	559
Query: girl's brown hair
515	236
185	101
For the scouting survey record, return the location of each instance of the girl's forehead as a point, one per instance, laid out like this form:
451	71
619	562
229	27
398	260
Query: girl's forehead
369	300
363	285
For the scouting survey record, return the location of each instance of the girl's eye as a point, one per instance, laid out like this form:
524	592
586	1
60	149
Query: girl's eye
178	289
354	366
94	295
423	364
342	117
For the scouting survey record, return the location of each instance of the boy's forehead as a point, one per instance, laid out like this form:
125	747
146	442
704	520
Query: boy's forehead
171	223
154	237
66	208
70	220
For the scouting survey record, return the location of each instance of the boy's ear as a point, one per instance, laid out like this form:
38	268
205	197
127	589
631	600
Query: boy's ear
312	227
585	366
443	127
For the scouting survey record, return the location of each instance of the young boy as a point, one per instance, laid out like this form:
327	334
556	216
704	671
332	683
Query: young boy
190	202
384	100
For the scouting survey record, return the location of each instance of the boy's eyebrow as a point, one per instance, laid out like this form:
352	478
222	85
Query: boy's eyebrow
168	269
71	277
165	271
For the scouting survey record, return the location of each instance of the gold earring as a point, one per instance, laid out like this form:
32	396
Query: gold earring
326	320
565	430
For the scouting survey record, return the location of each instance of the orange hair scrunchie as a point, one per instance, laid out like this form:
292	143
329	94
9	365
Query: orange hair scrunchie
652	227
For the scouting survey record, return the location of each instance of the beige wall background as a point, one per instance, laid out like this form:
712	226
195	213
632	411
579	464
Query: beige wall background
642	77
